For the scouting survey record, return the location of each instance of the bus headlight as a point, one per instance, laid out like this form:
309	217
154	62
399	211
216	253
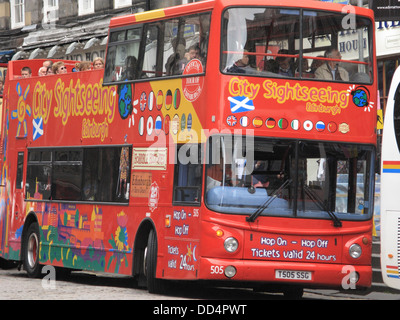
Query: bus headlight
230	271
355	251
231	244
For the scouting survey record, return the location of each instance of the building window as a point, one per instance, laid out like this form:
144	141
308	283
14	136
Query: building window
17	13
122	3
50	11
86	7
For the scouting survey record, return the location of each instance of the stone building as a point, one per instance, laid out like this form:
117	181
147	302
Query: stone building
74	29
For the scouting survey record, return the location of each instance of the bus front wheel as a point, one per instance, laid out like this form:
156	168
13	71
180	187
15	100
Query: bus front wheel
31	251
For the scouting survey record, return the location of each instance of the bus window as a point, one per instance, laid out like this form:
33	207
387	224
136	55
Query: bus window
266	35
334	177
38	178
20	170
188	174
290	178
122	55
269	42
149	68
67	177
324	31
88	174
185	39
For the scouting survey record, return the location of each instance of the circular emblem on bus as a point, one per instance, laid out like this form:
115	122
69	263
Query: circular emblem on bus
150	126
244	121
167	121
283	123
160	100
360	97
332	127
295	124
175	124
231	121
143	101
150	101
177	98
125	105
168	100
270	123
308	125
189	122
193	86
257	122
183	122
320	126
141	126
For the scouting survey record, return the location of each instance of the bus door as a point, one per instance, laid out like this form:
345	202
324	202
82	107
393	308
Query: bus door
18	212
182	239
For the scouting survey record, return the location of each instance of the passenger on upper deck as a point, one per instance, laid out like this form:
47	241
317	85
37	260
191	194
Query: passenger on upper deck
59	68
26	72
42	71
83	66
130	68
331	70
98	63
242	65
285	64
173	64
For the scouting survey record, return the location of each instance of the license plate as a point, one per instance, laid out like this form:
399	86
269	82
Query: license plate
293	275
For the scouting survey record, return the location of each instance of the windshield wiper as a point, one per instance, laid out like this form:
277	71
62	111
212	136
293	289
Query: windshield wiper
311	193
265	205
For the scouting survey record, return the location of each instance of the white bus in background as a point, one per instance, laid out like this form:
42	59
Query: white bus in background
390	188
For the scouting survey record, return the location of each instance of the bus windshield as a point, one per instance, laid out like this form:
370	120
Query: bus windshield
289	178
282	42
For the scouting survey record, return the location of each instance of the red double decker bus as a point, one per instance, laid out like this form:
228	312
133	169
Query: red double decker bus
223	141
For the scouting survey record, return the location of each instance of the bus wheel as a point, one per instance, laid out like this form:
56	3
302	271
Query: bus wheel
31	251
154	285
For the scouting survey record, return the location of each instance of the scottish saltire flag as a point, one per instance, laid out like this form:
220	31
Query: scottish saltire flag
241	104
37	128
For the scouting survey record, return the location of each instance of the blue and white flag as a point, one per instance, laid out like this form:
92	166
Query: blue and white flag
37	128
241	104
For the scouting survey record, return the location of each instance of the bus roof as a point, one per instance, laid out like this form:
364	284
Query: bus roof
206	5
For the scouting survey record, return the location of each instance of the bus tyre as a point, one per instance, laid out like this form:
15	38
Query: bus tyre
154	285
31	251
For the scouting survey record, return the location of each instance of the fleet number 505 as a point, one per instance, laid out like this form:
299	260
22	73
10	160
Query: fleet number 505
217	270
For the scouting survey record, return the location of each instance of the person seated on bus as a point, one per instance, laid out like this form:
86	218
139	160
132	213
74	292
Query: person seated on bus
260	181
98	63
130	68
59	68
83	66
331	70
42	72
285	64
49	71
316	64
173	66
26	72
242	65
192	53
